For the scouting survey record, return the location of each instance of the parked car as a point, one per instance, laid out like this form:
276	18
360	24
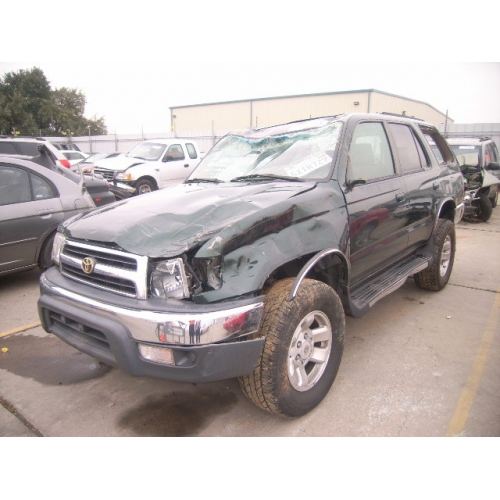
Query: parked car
152	165
74	157
98	188
480	163
65	146
248	268
34	200
28	146
87	165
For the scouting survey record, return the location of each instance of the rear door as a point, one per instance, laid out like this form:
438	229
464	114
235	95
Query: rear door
422	183
29	210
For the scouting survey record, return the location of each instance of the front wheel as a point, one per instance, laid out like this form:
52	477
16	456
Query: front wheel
494	198
484	207
437	275
302	351
143	186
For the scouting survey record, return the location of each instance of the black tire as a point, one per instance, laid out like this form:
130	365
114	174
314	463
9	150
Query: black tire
143	186
484	207
438	274
45	258
494	199
276	385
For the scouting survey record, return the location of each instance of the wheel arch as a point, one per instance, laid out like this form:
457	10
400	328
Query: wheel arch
329	266
446	210
147	178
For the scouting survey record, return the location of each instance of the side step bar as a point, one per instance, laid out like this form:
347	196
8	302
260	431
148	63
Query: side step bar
363	298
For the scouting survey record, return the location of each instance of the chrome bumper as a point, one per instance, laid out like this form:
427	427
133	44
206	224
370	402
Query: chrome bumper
191	325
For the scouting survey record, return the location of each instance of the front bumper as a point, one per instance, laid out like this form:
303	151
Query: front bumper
207	342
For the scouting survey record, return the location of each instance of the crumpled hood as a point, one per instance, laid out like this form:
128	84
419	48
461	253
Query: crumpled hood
119	163
168	222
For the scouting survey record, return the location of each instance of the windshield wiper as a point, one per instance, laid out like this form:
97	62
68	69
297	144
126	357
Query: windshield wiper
265	177
196	180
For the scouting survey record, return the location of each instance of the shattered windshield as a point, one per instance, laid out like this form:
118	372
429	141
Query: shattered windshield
295	154
147	151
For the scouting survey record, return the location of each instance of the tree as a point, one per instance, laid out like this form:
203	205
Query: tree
29	106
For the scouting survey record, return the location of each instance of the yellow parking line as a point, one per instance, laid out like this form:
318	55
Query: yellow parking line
20	329
461	415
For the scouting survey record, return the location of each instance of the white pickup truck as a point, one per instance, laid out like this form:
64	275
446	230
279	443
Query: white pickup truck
151	165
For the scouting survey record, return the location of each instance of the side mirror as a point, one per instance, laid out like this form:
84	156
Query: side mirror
492	166
167	158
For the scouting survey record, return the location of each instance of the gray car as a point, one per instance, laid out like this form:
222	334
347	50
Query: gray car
34	200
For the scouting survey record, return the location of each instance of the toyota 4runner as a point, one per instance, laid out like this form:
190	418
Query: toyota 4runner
247	269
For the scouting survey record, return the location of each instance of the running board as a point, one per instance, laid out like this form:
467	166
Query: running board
363	298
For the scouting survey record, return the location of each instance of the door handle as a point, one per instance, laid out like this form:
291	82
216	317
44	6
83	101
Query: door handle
48	211
186	165
400	197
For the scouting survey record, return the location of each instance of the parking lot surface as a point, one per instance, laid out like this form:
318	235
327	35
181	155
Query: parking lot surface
419	363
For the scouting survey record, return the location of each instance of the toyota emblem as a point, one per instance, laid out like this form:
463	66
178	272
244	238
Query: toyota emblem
88	264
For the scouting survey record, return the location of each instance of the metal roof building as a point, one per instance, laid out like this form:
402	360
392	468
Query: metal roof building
263	112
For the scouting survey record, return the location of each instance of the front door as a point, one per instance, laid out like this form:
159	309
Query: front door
376	202
175	166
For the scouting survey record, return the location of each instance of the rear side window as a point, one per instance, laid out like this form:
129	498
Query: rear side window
191	151
41	188
8	148
411	155
490	154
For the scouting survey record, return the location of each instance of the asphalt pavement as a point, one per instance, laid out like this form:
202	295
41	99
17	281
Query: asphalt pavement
419	364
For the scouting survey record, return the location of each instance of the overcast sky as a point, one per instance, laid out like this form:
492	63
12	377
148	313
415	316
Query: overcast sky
166	57
137	97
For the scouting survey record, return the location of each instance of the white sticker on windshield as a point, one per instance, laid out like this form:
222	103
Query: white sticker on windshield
308	166
466	147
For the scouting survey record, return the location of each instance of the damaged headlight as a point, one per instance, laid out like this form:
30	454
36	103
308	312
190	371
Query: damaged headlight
57	247
169	280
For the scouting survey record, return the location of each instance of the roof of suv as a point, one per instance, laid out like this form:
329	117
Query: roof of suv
28	146
468	140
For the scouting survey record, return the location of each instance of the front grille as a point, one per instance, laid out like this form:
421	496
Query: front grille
114	270
107	174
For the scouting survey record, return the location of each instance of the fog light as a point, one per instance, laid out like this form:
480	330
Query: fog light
160	355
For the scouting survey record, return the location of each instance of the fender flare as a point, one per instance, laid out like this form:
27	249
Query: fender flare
310	264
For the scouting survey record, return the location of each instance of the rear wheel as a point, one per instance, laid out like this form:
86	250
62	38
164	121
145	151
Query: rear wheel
437	275
302	351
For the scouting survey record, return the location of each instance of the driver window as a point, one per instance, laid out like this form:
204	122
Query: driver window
174	152
369	154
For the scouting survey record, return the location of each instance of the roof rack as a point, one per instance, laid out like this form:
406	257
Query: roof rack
21	137
479	138
402	116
